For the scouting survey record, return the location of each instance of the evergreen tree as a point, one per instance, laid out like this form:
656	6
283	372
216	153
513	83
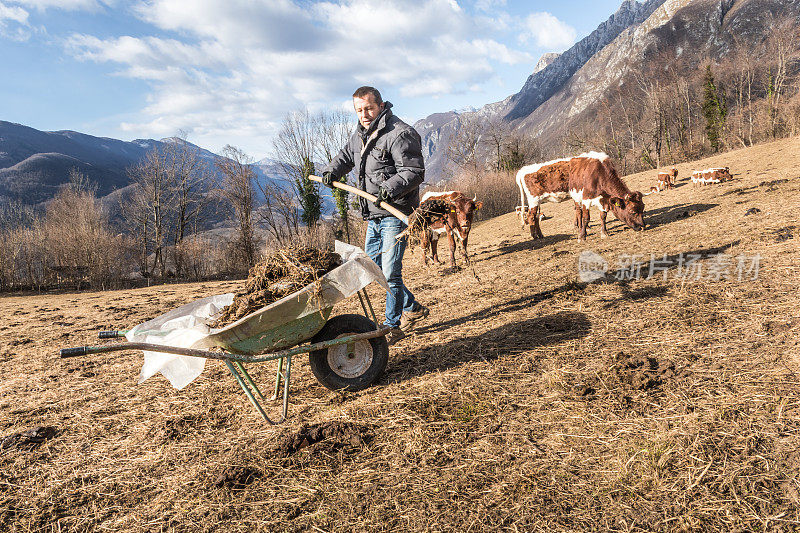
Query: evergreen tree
342	200
714	110
310	201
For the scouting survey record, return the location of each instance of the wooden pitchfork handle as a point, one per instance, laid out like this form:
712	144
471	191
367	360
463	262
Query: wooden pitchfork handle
358	192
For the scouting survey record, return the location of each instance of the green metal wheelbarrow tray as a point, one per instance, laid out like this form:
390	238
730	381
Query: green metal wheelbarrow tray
345	352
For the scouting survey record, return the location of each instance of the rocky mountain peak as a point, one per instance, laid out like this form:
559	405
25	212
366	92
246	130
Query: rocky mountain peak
544	61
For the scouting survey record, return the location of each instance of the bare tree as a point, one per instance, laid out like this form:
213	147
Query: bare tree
295	147
237	187
463	146
334	129
495	135
78	241
149	210
17	221
189	177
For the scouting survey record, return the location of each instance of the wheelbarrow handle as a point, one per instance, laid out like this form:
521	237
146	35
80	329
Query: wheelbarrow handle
73	352
111	334
223	356
358	192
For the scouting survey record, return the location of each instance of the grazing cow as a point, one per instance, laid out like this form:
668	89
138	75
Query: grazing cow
667	178
711	175
590	180
456	221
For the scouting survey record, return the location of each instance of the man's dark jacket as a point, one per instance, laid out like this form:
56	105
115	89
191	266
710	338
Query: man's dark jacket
388	155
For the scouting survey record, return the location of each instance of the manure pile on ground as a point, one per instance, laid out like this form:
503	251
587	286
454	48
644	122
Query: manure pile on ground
286	271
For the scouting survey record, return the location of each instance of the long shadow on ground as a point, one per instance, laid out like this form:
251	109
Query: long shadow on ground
664	215
527	244
687	264
510	306
510	339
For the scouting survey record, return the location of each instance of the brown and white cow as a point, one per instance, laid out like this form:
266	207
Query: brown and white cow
590	180
667	178
711	175
456	222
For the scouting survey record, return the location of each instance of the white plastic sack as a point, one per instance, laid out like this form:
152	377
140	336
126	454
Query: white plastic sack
187	326
183	327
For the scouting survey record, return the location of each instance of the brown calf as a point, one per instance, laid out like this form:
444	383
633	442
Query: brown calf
456	222
666	179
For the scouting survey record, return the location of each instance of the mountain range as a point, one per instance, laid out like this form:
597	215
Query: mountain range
34	163
563	90
569	88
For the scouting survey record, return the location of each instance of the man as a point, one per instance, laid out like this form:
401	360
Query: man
388	155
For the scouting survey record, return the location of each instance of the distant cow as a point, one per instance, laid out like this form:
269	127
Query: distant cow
590	180
455	220
667	178
711	175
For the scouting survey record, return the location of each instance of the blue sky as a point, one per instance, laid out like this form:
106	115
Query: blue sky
227	72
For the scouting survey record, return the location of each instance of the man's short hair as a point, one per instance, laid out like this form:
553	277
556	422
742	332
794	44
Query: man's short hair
361	92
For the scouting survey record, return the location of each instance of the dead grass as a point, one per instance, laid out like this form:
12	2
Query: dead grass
526	401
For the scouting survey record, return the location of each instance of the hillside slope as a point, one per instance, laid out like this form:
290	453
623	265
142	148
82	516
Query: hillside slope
578	90
526	401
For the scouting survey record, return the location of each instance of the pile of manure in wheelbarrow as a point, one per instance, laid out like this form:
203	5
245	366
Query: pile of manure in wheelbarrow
286	271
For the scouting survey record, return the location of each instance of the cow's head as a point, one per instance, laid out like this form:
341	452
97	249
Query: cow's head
629	209
464	210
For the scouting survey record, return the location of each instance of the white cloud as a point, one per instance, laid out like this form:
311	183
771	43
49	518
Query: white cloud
546	31
237	67
13	13
66	5
14	23
489	6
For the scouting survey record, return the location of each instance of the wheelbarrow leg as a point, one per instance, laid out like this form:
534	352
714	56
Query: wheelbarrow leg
286	378
249	380
278	376
371	312
241	381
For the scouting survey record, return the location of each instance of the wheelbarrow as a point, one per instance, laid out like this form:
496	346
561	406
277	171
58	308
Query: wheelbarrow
345	352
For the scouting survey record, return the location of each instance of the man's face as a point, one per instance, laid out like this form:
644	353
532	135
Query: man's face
367	109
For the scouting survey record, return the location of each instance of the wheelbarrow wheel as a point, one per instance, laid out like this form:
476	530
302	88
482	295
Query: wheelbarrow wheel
353	366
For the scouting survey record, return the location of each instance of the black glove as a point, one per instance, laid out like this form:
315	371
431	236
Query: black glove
382	196
328	179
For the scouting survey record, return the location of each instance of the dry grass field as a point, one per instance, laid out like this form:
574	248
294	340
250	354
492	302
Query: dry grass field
526	401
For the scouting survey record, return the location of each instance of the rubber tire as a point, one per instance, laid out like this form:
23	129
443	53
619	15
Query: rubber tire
348	324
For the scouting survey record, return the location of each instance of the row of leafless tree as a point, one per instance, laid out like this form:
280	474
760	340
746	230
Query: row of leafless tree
71	242
667	114
169	223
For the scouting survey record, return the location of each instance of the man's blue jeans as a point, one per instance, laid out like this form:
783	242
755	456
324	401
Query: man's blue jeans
387	252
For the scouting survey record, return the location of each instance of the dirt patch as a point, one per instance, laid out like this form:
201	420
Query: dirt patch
29	439
236	477
627	375
784	234
20	342
642	372
178	427
284	272
337	434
